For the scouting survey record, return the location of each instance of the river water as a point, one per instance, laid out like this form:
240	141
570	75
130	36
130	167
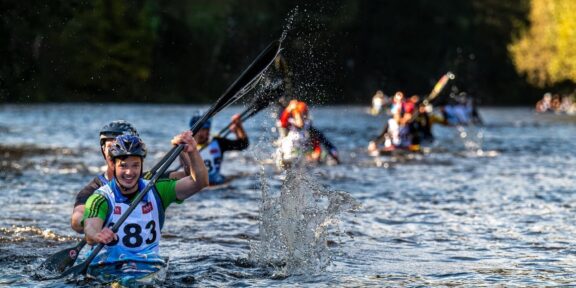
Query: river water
485	206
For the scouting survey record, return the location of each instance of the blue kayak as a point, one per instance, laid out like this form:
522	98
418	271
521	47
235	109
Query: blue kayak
130	273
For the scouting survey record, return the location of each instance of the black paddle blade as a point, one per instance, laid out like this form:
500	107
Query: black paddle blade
271	92
63	259
240	87
248	77
77	270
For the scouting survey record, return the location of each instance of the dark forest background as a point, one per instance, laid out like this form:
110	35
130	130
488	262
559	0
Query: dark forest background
338	51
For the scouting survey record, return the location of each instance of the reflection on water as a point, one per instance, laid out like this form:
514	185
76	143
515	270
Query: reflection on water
484	206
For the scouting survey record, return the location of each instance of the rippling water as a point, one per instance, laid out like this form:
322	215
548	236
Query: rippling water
486	206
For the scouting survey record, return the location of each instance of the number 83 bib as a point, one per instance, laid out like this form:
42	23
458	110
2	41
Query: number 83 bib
139	235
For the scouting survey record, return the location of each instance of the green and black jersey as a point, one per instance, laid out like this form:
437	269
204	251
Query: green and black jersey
97	205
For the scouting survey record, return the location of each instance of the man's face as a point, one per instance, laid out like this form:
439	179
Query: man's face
398	97
128	171
202	136
107	144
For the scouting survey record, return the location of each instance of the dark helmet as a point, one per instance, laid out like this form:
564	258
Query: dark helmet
115	128
196	118
127	145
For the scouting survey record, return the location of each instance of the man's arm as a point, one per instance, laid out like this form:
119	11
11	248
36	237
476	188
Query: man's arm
237	127
229	145
79	205
180	173
94	216
198	178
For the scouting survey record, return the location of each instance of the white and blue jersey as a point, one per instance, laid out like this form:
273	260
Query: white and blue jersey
139	235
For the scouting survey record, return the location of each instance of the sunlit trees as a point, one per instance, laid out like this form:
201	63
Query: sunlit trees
188	51
546	51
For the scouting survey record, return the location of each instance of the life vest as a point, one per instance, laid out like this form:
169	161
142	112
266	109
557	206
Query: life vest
295	143
457	114
213	156
103	179
139	235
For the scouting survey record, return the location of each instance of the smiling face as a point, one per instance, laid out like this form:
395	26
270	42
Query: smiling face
127	173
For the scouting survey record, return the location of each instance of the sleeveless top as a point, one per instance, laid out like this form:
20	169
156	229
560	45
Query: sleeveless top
212	156
139	235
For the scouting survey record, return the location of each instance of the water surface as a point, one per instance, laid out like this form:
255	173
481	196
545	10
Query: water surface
485	206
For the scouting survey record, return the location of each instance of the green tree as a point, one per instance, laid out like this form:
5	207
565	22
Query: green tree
109	50
546	51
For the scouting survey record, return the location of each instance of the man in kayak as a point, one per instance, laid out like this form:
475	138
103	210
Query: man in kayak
300	138
378	101
107	135
212	150
398	131
139	235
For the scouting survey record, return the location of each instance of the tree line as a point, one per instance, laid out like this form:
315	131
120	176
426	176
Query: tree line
337	51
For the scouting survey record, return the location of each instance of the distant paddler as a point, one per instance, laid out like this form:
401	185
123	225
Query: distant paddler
398	133
299	139
378	101
213	148
138	237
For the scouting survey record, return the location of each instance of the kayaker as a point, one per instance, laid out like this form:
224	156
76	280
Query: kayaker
301	139
213	154
107	135
421	127
378	101
390	133
398	133
139	236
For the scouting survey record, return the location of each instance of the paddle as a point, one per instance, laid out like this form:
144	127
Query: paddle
259	104
239	88
245	82
332	151
435	92
439	87
63	259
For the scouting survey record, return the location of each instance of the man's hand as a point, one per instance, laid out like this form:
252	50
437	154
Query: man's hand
236	123
186	138
105	236
372	146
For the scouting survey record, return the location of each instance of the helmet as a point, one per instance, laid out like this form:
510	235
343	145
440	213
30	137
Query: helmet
127	145
302	108
196	118
115	128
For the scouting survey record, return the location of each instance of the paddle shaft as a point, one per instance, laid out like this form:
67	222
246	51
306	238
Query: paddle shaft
244	83
258	105
243	117
439	86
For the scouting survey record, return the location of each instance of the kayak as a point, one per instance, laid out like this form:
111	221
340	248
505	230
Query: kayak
130	273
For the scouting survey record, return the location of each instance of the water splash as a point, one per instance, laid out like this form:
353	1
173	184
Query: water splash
294	224
289	23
